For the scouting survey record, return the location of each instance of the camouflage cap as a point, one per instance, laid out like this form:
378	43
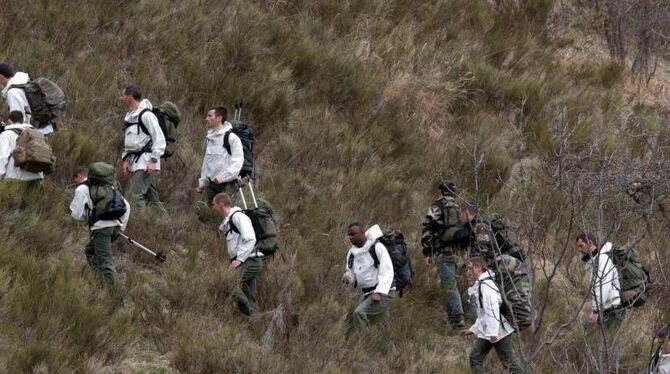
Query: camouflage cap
446	187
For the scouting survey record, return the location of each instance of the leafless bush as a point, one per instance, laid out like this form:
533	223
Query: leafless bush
639	29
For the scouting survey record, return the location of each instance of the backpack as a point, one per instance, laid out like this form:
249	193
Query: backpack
450	217
105	192
511	277
505	235
246	135
633	276
265	227
395	244
169	116
46	99
32	152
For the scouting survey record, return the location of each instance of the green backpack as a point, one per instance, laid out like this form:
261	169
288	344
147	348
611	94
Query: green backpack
265	227
633	276
505	234
169	116
105	192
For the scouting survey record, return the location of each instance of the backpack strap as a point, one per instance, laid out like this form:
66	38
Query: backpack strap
479	290
140	124
226	142
350	261
373	253
231	225
16	131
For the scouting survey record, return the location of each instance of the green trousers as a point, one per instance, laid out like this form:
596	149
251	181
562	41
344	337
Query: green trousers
503	348
212	190
143	190
99	255
368	312
245	292
453	282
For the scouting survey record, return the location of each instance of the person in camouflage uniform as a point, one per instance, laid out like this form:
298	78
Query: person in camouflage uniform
439	226
510	272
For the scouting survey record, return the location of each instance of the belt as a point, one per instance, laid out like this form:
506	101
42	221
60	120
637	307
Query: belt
369	289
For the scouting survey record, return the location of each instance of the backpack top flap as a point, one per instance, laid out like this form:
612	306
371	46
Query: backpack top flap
171	111
101	173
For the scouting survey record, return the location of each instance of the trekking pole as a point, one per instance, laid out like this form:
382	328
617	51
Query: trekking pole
238	109
253	195
244	201
159	256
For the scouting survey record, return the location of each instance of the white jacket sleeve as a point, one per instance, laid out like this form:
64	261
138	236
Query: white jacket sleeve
15	101
5	153
603	283
79	204
491	301
247	240
385	274
158	143
232	170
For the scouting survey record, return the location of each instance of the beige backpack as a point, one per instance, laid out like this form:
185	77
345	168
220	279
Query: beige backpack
32	152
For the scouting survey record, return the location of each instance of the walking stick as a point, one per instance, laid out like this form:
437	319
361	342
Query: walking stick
159	256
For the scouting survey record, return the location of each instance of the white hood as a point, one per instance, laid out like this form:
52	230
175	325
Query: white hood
18	78
373	233
132	116
227	126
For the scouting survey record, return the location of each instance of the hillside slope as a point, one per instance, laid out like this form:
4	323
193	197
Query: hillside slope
358	108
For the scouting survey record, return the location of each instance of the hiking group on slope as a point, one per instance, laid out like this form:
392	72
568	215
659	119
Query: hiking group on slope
480	263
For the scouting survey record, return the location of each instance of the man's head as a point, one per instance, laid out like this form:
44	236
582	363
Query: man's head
586	243
446	188
476	267
15	117
222	204
130	96
6	72
216	116
469	211
80	174
663	338
356	234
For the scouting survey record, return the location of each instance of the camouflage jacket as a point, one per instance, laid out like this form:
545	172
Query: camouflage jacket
439	226
476	238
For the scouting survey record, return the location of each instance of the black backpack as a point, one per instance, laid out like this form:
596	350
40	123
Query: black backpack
243	131
394	241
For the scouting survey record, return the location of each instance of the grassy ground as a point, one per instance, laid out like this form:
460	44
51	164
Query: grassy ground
358	108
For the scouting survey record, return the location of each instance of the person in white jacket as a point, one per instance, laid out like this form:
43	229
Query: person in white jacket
660	360
373	278
241	243
8	138
143	147
16	96
103	232
491	328
605	298
220	169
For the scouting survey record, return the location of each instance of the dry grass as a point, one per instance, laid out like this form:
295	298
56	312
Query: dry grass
358	107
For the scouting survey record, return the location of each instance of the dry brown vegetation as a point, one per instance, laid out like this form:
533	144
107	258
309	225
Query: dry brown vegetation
358	107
